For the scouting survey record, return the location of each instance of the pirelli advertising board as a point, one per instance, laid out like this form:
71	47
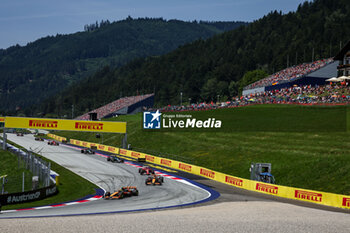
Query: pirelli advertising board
110	149
70	125
61	139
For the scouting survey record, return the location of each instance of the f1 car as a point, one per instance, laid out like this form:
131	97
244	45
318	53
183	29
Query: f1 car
39	139
19	134
127	191
154	180
130	191
87	151
146	170
115	159
52	143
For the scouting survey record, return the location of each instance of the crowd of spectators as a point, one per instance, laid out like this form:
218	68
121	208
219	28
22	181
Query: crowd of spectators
290	74
326	94
300	95
114	106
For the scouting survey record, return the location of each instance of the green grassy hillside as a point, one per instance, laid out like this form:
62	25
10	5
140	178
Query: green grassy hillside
318	160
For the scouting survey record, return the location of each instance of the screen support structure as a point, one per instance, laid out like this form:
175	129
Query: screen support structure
4	137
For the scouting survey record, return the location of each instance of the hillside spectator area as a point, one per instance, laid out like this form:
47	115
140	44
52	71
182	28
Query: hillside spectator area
290	74
114	106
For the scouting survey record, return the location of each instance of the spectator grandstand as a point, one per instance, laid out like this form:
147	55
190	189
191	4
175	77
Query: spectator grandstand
290	74
124	105
326	94
307	94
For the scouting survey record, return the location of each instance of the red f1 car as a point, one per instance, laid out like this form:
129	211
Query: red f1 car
146	170
52	143
127	191
154	180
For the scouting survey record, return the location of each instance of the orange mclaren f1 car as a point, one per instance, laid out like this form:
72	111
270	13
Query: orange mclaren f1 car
154	180
127	191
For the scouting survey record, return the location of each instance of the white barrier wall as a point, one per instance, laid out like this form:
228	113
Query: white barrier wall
252	91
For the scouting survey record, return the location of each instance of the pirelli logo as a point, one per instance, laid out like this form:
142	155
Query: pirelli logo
207	173
165	162
149	158
135	154
185	167
310	196
77	142
101	147
111	149
89	125
346	202
234	181
85	144
267	188
122	152
43	124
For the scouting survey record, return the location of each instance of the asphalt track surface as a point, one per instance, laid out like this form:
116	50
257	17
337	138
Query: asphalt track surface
236	210
109	176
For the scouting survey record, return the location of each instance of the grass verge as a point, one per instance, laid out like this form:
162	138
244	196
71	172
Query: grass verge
9	166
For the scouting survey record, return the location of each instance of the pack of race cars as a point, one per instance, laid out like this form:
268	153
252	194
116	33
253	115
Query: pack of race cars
127	191
153	179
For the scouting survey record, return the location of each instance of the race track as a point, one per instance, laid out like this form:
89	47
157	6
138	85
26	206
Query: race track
110	177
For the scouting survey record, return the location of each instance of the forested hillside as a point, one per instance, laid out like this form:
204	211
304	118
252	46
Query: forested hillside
205	70
34	72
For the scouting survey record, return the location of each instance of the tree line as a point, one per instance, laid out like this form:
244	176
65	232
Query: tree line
217	68
32	73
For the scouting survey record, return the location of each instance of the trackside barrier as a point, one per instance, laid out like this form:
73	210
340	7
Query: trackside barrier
317	197
34	195
54	176
58	138
111	149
